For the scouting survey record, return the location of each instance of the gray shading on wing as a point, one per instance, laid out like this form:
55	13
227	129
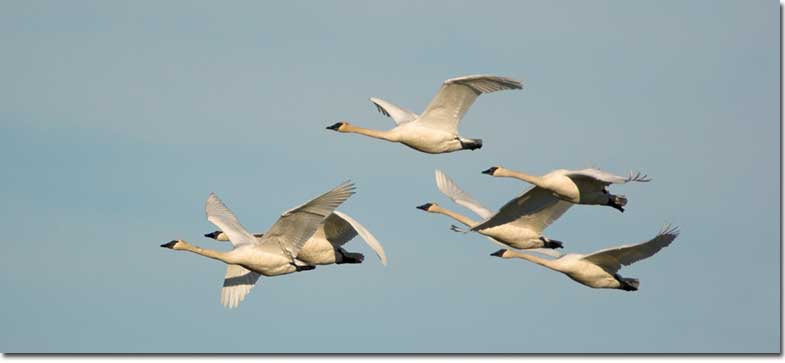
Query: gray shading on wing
366	235
612	259
448	187
535	209
298	224
607	178
220	215
238	282
455	97
396	113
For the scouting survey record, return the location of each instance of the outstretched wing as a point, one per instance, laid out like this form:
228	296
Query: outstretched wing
297	225
456	96
612	259
535	209
223	218
399	114
605	177
365	234
238	282
452	191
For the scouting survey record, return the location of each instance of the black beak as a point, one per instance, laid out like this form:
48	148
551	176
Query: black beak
425	206
334	126
213	235
169	245
498	253
490	170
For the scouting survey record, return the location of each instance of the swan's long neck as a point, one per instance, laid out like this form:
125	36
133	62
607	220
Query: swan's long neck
216	255
502	172
458	217
540	261
378	134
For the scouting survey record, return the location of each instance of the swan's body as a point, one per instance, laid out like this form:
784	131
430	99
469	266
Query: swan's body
599	269
272	255
436	130
518	224
325	246
587	186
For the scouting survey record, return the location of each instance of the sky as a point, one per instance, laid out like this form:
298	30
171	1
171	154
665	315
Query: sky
119	118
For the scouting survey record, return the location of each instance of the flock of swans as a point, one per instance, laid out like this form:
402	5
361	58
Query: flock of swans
315	232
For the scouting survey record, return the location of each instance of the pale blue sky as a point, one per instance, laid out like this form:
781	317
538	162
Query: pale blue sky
118	120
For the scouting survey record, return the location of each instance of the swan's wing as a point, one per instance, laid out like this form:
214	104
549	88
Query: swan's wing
238	282
545	251
398	114
452	191
607	178
612	259
297	225
366	235
223	218
535	209
456	96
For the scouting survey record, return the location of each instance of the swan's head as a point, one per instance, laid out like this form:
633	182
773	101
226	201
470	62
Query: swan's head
492	170
174	244
338	126
217	235
503	253
427	206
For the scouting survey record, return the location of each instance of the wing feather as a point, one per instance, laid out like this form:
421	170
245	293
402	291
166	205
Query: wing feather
535	209
223	218
366	235
456	95
399	114
607	178
448	187
297	225
238	282
612	259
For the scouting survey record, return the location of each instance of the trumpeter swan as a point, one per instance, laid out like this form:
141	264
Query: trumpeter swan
599	269
518	224
587	186
436	130
324	247
273	254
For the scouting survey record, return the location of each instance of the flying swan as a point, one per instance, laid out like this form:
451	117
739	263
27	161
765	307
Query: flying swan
436	130
272	255
325	246
587	186
518	224
599	269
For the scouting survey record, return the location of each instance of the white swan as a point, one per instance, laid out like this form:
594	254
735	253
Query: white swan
324	247
436	130
518	224
273	254
599	269
587	186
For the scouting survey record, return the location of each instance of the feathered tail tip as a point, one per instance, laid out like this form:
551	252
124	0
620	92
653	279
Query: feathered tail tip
669	229
637	177
455	228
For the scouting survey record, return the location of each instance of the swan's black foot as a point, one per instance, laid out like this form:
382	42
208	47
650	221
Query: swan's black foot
615	205
304	268
551	243
470	144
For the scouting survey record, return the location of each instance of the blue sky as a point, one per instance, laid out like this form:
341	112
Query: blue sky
119	119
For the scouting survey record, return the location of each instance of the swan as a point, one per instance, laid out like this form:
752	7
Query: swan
324	247
518	224
587	186
436	130
273	254
599	269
